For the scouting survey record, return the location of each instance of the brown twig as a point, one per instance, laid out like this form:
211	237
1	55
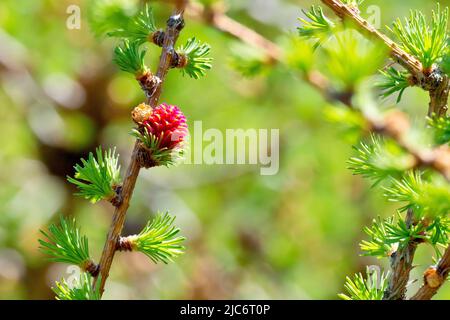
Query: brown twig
406	60
401	265
90	267
394	125
439	95
219	20
434	81
434	278
173	28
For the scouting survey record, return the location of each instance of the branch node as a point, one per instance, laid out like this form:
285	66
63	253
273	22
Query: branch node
148	82
179	60
432	277
117	199
145	158
176	22
157	37
125	243
90	267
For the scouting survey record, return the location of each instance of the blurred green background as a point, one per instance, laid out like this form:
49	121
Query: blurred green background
293	235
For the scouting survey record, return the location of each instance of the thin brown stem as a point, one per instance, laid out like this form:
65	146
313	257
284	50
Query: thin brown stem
90	267
219	20
118	220
401	266
394	125
437	84
439	96
174	26
347	12
434	81
434	278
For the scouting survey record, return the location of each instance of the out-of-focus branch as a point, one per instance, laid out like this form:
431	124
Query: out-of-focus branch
174	26
395	125
434	278
217	18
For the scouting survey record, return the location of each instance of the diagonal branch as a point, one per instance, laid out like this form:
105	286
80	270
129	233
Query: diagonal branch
219	20
401	266
435	81
434	278
174	25
347	12
395	126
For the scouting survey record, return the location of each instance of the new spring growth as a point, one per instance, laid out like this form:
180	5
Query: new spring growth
191	58
64	243
98	177
159	240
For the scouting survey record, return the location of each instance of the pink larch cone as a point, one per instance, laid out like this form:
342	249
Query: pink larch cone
168	124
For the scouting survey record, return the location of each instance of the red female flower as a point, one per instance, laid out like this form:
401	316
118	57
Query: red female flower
168	125
162	132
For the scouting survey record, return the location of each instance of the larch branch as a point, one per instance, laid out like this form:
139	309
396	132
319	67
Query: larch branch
347	12
401	266
219	20
434	81
173	28
396	125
